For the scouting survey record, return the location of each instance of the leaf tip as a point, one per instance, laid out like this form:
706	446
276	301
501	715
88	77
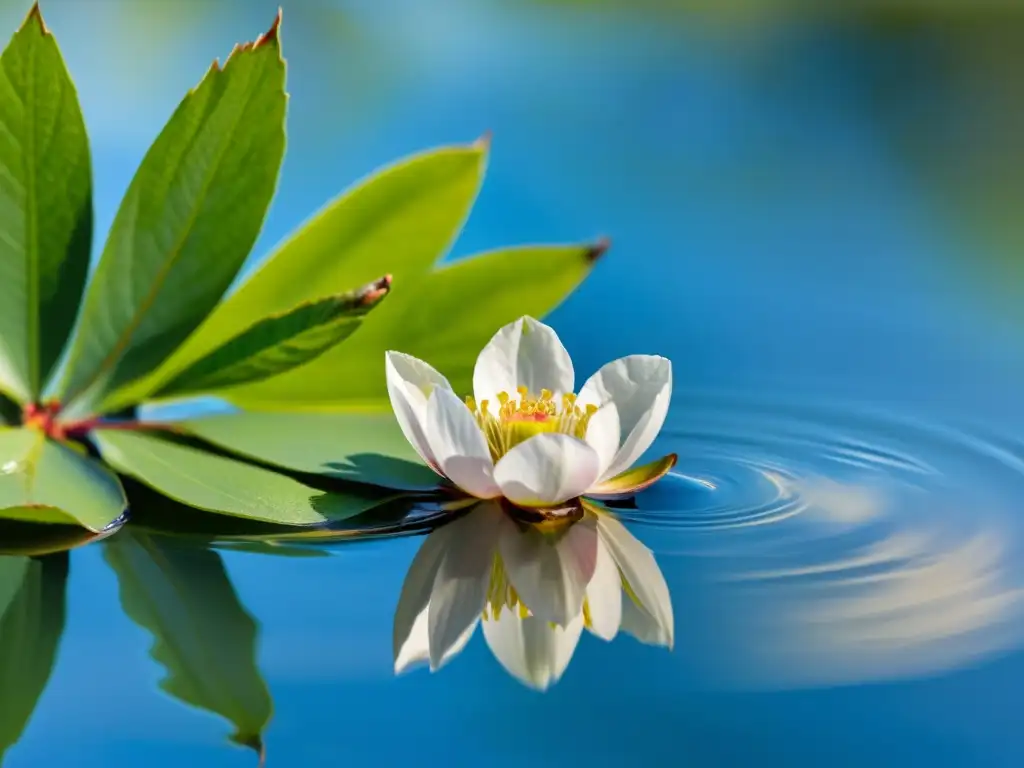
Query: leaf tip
273	34
35	16
375	291
483	143
598	249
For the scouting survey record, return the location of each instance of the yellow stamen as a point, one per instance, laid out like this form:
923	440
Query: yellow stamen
520	419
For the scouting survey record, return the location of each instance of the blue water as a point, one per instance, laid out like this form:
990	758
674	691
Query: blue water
843	534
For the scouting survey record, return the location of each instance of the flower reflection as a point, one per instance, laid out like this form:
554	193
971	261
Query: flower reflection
534	587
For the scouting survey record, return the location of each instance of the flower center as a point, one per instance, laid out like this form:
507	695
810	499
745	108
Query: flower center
520	419
501	595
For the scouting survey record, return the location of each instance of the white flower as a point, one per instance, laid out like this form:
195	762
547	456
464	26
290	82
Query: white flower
534	587
524	435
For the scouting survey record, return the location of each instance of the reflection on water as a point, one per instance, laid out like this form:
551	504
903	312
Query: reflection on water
533	587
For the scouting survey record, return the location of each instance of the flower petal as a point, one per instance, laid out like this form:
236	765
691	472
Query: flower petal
604	595
525	353
410	382
641	575
642	625
415	597
636	479
546	470
460	586
641	388
459	446
603	434
416	649
551	573
530	649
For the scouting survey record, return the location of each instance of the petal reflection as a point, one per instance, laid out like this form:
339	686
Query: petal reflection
534	585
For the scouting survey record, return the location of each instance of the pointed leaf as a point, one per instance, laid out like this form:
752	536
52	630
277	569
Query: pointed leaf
363	447
202	635
399	220
44	481
187	222
279	343
45	208
445	319
219	484
30	631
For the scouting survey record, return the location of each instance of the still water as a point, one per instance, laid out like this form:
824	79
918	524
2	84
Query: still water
843	535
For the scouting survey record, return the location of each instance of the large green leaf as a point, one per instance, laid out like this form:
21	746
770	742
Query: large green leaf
364	447
279	343
30	630
44	481
400	220
219	484
187	222
45	208
202	635
445	319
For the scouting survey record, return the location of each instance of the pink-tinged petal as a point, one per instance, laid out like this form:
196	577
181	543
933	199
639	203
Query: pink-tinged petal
410	382
603	434
459	446
645	584
641	388
460	586
604	595
550	572
530	649
636	479
547	470
525	353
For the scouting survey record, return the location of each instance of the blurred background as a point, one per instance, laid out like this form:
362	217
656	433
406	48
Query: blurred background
820	201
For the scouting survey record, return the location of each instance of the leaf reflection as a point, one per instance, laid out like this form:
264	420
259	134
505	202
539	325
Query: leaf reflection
32	610
533	586
203	636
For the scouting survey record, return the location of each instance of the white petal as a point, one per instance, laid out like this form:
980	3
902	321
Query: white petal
641	573
530	649
550	573
546	470
603	434
525	353
460	587
459	446
410	382
641	625
415	596
416	649
604	595
641	388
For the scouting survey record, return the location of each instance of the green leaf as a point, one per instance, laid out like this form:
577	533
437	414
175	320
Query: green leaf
43	481
223	485
279	343
19	537
364	447
30	631
45	208
446	320
187	222
202	635
399	220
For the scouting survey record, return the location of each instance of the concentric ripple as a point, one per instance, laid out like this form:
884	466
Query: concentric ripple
812	545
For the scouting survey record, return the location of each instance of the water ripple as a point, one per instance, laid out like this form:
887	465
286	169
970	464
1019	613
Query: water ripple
811	544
